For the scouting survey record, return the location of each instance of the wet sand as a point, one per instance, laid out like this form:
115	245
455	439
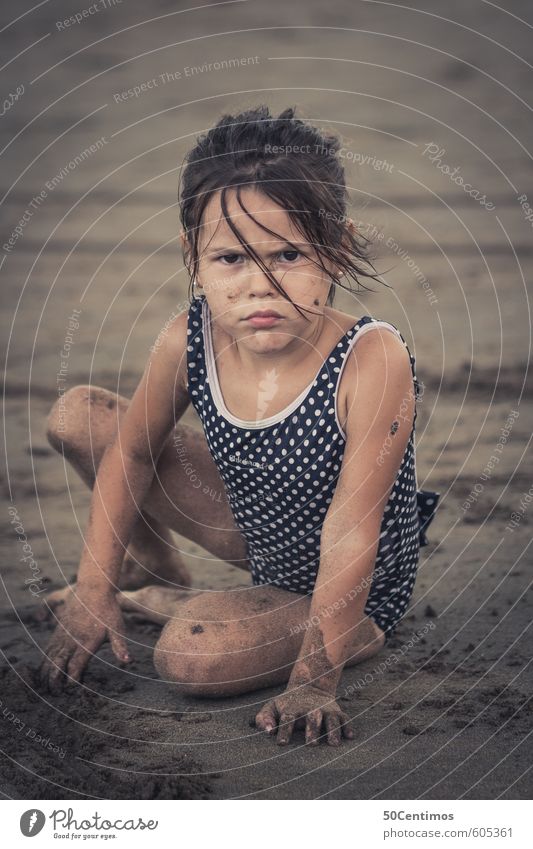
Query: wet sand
443	711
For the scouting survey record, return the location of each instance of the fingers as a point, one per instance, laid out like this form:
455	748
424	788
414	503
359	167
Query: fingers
77	665
266	718
63	669
346	726
286	727
333	729
52	671
313	725
119	647
68	657
337	724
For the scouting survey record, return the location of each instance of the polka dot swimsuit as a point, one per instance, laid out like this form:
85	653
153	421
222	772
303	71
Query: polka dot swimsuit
280	475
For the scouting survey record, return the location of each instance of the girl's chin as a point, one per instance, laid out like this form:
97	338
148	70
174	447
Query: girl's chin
266	340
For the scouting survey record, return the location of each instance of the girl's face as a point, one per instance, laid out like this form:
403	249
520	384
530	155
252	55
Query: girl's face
236	287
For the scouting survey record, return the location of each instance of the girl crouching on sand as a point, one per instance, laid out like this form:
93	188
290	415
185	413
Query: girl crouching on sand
308	416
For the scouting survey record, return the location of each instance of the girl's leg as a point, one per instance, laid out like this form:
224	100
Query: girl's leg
213	643
229	642
192	504
232	642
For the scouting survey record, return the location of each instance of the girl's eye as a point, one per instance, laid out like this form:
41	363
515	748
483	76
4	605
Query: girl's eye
290	256
230	259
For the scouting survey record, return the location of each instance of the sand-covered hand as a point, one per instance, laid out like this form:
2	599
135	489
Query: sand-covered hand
309	707
86	622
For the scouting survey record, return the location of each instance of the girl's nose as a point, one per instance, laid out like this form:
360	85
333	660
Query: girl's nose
258	283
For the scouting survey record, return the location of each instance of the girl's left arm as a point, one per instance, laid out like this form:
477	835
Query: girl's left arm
381	405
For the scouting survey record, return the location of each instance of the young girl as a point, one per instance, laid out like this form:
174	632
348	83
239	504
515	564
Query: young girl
306	475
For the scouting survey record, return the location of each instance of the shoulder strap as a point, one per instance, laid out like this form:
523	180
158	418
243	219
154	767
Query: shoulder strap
364	325
195	348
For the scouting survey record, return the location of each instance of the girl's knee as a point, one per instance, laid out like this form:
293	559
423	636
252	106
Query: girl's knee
59	424
179	659
67	425
196	656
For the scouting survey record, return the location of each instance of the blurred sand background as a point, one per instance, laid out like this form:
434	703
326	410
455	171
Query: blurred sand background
449	717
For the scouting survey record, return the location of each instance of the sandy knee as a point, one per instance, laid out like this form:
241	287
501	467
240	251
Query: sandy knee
186	657
80	408
231	642
200	653
67	414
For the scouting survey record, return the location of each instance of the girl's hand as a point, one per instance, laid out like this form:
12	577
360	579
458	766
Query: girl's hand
309	707
86	622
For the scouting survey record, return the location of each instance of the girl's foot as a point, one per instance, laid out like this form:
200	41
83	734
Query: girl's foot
153	602
152	558
52	603
144	567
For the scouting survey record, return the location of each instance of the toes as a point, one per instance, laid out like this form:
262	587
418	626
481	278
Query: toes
53	604
58	597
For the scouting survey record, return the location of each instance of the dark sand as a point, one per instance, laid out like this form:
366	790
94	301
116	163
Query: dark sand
449	717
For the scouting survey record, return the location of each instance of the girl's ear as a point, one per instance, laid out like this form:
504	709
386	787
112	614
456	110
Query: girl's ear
185	245
185	248
351	229
350	226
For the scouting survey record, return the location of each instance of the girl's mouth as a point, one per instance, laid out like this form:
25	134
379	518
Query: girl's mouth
263	319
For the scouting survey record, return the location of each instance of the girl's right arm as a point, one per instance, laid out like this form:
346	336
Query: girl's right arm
124	477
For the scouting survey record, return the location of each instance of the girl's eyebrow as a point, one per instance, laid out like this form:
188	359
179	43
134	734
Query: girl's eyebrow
239	247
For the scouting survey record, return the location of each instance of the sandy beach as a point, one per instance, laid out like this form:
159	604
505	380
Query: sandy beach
92	145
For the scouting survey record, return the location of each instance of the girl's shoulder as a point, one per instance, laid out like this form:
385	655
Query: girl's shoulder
376	348
169	350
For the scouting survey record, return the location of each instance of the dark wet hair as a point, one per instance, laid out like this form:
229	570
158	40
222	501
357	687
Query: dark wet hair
292	163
